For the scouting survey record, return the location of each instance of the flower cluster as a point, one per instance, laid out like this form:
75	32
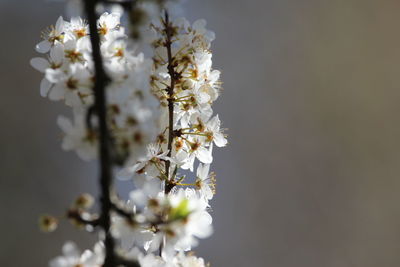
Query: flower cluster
186	86
168	211
73	257
184	78
69	77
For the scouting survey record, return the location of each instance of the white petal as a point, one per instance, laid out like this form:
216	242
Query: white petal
72	99
56	93
188	163
214	76
205	155
55	76
60	25
70	250
203	97
70	44
128	172
87	256
214	123
39	64
43	47
207	192
154	244
57	53
64	123
202	171
210	35
45	86
220	140
143	236
199	24
202	227
138	197
113	20
59	262
76	21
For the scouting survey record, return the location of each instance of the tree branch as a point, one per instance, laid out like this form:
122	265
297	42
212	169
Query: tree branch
169	184
129	216
77	217
100	106
124	3
101	81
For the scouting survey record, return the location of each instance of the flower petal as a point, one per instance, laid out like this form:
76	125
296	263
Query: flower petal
56	93
45	86
205	155
220	140
39	64
43	47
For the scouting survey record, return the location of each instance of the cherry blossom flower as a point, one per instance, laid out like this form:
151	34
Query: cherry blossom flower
52	36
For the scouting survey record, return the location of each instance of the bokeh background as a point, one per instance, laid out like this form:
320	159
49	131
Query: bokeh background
311	101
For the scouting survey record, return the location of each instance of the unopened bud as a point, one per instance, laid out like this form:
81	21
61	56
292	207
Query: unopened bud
48	223
84	201
187	84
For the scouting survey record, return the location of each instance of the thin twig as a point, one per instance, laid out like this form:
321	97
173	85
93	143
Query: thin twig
130	216
77	217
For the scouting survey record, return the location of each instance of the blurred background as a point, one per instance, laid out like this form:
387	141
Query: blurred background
311	101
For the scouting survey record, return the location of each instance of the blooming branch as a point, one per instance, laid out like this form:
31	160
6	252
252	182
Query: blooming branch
112	91
169	182
100	102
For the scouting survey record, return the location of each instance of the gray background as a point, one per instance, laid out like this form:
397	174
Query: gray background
310	178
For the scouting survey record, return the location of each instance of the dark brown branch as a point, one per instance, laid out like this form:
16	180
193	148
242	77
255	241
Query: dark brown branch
123	3
101	81
100	107
89	114
77	217
127	263
129	216
169	184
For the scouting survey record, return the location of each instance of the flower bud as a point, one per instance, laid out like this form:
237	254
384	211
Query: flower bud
84	201
48	223
187	84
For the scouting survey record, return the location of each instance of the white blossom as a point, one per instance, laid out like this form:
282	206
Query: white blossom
184	218
77	137
69	77
185	260
205	181
72	257
160	120
52	36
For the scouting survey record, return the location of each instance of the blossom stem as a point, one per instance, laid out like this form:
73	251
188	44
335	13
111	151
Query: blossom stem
180	184
200	134
182	97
